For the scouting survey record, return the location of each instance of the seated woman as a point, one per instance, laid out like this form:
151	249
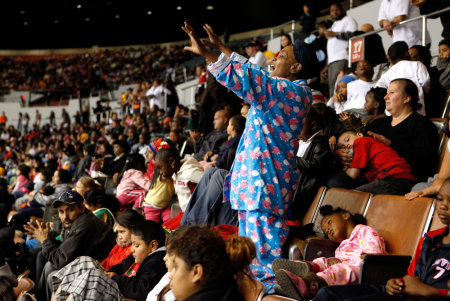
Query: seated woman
241	251
124	223
429	189
413	136
200	266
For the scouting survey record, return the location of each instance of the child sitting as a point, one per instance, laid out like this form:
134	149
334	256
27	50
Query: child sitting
184	173
383	170
124	223
313	160
102	205
133	186
374	108
158	197
134	277
140	272
19	187
300	280
428	273
338	100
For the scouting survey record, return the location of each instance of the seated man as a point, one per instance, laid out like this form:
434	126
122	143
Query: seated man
82	233
214	141
403	67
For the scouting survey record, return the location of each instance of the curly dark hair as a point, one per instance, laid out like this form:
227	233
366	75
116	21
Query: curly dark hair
204	246
328	210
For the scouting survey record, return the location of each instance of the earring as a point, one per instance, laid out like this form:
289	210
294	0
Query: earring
173	165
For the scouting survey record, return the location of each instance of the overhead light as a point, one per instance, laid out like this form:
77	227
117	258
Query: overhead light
56	21
117	17
22	12
25	23
149	12
87	19
79	6
209	7
179	8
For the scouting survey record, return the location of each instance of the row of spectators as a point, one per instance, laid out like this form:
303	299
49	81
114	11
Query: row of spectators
104	70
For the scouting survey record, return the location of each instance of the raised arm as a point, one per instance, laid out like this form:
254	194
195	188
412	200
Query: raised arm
197	46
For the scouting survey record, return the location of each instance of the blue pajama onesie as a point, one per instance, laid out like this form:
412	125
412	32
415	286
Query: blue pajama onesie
263	177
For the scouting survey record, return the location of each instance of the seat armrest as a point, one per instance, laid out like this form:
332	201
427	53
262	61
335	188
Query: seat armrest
379	268
319	247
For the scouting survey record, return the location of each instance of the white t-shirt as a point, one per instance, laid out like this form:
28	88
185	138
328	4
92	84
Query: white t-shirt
259	59
410	32
337	106
356	94
337	49
156	95
153	295
415	71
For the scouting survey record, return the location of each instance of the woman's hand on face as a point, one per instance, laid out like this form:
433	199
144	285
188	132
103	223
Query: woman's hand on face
338	97
379	137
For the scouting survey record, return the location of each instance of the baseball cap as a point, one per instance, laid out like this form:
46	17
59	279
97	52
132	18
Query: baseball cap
70	197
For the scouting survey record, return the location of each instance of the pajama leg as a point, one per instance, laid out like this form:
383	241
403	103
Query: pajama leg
339	274
268	232
133	197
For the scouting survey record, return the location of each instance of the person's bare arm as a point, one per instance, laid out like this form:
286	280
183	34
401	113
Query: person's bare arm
216	42
353	173
398	19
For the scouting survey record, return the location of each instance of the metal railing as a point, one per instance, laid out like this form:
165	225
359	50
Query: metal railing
424	30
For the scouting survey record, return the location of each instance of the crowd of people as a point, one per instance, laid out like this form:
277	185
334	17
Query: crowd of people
197	204
105	70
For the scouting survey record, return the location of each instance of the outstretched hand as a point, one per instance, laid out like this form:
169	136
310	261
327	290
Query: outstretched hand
197	46
214	40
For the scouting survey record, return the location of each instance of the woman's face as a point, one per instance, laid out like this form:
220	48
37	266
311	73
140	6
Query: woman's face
182	280
395	99
123	235
55	178
80	188
285	41
444	51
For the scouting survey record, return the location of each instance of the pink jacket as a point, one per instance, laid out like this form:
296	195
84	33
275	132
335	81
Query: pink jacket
133	180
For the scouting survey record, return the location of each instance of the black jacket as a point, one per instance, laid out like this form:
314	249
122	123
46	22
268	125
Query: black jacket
218	290
88	236
314	168
149	273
